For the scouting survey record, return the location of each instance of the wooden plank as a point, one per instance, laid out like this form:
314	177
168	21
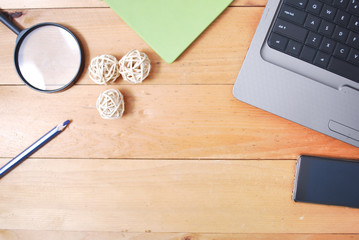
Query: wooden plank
167	121
57	235
214	58
220	196
22	4
12	4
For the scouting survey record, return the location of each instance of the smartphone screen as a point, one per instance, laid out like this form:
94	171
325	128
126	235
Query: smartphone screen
327	181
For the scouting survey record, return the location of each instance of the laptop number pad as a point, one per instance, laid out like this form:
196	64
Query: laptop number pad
324	33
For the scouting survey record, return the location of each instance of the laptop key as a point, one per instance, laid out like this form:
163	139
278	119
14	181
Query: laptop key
313	39
277	42
314	7
312	22
341	3
294	48
307	54
354	23
341	51
327	45
297	3
340	34
353	40
342	18
326	28
344	69
290	30
354	56
321	59
328	12
353	7
292	14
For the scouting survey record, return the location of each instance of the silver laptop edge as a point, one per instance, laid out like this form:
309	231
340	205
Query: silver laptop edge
296	90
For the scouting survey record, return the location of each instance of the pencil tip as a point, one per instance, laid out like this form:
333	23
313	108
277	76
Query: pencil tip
61	127
66	122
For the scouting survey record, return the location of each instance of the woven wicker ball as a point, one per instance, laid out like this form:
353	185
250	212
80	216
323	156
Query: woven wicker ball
110	104
134	66
103	69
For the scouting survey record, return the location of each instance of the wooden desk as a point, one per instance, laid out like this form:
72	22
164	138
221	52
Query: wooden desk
187	160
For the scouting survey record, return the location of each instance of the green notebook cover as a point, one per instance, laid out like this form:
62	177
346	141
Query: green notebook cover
168	26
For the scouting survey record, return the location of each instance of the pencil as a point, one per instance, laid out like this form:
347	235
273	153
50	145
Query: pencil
33	148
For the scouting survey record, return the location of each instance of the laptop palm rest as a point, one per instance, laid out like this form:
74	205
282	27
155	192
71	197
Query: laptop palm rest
350	91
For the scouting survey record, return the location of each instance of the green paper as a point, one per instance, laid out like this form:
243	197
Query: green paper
168	26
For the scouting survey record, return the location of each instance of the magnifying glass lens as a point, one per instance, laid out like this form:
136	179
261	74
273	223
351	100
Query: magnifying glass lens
49	58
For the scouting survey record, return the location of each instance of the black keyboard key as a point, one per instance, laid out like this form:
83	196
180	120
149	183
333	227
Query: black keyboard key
344	69
326	28
312	22
341	3
292	14
321	59
328	12
354	23
342	18
327	45
353	40
313	39
307	54
353	7
294	48
277	42
314	7
354	56
290	30
340	34
341	51
297	3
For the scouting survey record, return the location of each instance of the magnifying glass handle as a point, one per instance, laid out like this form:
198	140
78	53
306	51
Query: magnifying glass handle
5	20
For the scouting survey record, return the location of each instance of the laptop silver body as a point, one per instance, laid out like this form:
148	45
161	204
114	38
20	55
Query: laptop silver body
297	90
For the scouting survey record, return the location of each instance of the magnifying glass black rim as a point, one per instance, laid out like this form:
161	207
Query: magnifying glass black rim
21	38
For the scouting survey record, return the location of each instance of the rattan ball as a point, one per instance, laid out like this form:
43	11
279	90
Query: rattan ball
110	104
103	69
134	66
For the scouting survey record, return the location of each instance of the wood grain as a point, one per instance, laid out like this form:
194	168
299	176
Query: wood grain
166	121
106	33
11	4
60	235
204	196
186	162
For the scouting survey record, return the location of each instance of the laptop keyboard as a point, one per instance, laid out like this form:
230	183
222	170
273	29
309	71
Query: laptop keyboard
324	33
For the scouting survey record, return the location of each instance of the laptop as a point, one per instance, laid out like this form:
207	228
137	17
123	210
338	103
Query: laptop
303	65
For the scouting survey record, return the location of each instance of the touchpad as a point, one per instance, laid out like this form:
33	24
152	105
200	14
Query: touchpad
344	130
350	91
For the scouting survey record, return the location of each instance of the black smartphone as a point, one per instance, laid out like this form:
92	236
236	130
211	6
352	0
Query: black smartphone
327	181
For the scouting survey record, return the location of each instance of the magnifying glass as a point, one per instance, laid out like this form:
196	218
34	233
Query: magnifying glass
48	57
